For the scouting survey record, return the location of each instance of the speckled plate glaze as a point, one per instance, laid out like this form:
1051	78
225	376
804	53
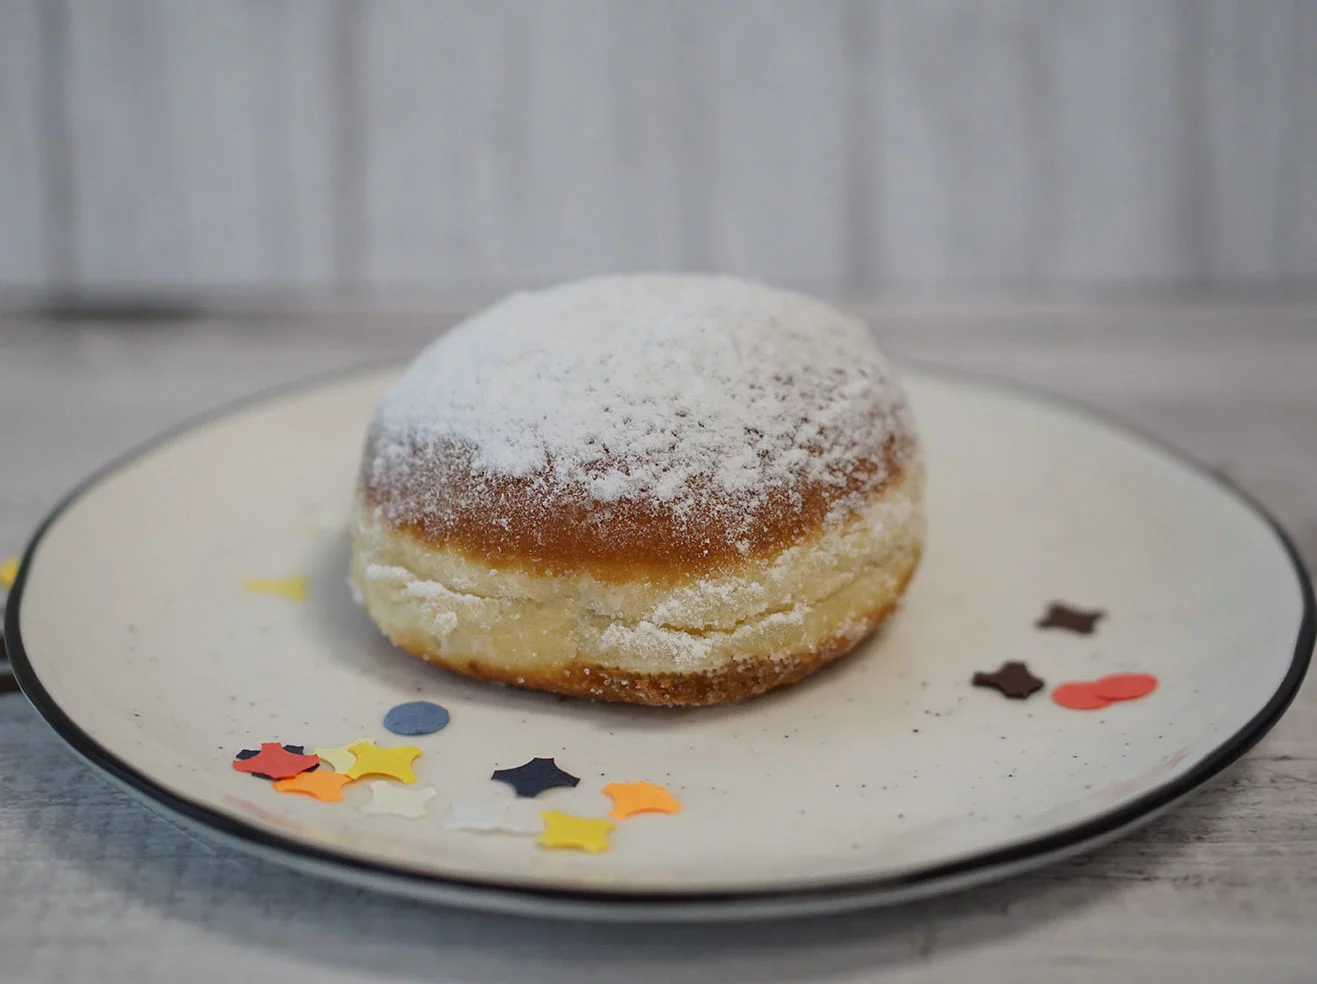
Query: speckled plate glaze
882	778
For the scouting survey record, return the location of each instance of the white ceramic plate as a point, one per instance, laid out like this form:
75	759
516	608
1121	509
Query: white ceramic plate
884	777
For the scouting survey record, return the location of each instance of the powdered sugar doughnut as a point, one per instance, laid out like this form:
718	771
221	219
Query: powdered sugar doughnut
658	489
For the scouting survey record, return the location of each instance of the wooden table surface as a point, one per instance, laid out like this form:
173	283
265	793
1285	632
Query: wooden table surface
95	887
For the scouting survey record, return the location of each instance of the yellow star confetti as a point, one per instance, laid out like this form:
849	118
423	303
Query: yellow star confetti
8	571
395	763
324	785
583	833
341	758
290	587
630	798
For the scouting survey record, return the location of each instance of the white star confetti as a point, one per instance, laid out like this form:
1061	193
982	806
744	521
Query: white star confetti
400	801
495	816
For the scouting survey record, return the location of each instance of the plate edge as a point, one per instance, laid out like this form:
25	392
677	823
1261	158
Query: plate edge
1095	829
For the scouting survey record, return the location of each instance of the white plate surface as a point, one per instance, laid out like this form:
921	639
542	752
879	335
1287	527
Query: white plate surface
883	777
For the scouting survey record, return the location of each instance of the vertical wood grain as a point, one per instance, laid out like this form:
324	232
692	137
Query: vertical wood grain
441	86
200	141
1299	195
516	140
295	125
776	109
935	145
1245	75
1125	163
963	139
129	227
608	185
1031	142
26	239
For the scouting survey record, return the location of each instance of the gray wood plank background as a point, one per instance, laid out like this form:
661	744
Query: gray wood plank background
323	147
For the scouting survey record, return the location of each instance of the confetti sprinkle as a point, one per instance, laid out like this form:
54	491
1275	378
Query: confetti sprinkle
341	758
324	785
8	571
630	798
385	797
1090	695
1079	697
247	753
491	816
374	761
418	717
290	587
535	777
274	761
1062	616
1125	686
1013	680
583	833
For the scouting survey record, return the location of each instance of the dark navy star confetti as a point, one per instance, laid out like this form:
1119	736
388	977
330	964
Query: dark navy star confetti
535	777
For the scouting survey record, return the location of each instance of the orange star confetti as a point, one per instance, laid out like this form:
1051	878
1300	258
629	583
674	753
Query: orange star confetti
583	833
290	587
8	571
396	763
630	798
324	785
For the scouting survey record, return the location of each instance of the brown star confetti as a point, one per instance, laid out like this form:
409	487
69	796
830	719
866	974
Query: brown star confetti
1013	679
1062	616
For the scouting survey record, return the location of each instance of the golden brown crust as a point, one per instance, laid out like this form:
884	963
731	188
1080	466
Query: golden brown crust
739	680
528	524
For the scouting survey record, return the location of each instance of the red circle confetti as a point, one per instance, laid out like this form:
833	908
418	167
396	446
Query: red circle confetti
1125	686
1079	697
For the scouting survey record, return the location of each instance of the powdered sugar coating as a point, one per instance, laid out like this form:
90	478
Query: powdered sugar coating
673	391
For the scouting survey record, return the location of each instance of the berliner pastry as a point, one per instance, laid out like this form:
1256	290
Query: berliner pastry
656	489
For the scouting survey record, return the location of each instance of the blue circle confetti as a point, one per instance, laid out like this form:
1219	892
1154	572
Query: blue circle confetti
417	717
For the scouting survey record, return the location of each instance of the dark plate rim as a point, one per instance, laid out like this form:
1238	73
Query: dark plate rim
1071	838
